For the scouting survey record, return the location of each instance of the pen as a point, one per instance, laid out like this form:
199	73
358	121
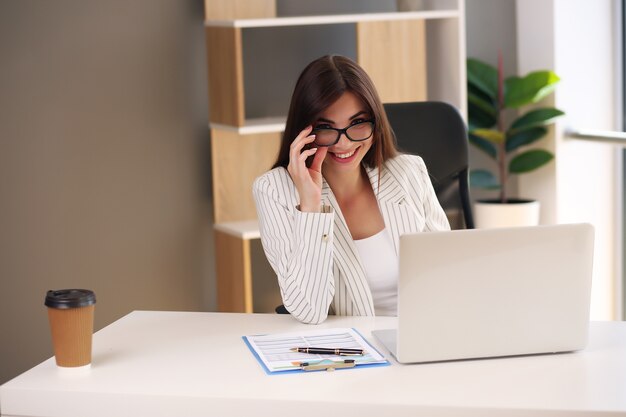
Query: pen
328	351
327	365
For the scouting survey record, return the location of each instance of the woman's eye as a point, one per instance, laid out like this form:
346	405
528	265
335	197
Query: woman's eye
357	121
322	127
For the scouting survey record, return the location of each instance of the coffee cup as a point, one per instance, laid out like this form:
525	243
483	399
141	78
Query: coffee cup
71	313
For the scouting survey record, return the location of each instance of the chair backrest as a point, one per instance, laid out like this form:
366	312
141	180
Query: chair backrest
437	132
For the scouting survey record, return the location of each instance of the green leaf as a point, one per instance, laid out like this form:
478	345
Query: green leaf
471	89
537	117
530	89
483	76
493	136
529	161
479	113
477	120
524	137
483	145
481	178
484	105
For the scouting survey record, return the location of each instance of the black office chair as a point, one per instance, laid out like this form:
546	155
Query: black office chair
436	131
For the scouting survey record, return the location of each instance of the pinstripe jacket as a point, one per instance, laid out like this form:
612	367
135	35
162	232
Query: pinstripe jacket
313	254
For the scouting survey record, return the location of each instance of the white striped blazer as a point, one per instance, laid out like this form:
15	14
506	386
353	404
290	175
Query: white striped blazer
313	254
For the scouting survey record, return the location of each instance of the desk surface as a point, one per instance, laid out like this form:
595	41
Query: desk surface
196	364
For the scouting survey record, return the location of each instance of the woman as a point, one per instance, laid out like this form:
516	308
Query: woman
339	196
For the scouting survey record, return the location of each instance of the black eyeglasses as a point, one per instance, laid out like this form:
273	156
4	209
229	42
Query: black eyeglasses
328	136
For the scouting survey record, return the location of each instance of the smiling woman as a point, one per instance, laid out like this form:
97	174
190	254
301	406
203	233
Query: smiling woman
340	195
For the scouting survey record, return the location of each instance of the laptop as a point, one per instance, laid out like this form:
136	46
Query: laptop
482	293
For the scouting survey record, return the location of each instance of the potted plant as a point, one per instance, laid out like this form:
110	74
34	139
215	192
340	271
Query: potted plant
489	96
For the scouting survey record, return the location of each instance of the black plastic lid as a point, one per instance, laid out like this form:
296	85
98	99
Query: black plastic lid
70	298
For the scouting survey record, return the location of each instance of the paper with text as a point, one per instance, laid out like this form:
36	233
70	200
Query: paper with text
273	350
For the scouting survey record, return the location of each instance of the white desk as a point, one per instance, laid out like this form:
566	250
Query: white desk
195	364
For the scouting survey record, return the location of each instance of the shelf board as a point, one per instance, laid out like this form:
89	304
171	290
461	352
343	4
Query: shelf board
247	230
332	19
254	126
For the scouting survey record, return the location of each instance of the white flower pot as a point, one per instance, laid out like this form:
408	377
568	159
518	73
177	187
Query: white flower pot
489	214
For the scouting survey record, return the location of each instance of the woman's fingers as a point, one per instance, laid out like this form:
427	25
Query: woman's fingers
307	181
298	156
303	138
316	165
297	168
306	153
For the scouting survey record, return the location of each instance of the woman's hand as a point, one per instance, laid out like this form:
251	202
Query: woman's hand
308	180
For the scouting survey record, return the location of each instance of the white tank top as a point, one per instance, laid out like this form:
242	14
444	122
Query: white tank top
382	270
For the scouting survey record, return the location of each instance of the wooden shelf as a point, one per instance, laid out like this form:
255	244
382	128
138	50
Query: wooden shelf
254	126
237	159
425	47
332	19
402	42
244	230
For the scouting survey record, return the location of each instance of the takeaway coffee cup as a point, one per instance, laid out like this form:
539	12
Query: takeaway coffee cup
71	323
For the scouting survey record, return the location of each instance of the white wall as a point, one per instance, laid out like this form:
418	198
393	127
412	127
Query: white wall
576	39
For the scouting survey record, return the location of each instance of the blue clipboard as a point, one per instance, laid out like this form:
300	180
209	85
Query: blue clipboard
321	365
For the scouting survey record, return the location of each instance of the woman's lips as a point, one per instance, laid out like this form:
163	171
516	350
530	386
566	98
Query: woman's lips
344	157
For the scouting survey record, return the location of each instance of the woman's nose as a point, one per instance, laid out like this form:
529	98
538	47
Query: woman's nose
343	139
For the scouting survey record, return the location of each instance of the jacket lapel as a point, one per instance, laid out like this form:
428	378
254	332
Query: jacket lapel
393	204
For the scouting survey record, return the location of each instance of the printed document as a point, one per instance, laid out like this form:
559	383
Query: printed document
274	350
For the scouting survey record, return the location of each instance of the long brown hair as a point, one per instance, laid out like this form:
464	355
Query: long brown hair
320	84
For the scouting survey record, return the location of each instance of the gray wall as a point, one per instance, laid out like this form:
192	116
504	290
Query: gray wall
103	163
